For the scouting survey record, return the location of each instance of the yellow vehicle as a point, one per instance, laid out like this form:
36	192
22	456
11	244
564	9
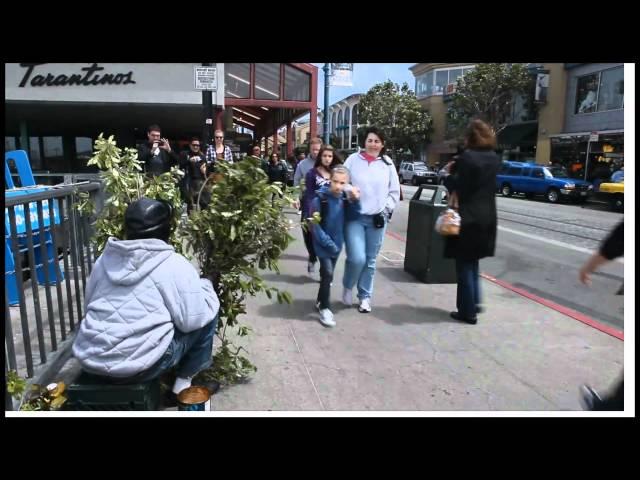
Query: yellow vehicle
614	194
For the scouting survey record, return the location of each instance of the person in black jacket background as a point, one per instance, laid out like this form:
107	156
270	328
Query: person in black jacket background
190	162
611	248
156	154
473	178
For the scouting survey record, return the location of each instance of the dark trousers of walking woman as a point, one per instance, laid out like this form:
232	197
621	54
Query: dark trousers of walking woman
468	295
327	266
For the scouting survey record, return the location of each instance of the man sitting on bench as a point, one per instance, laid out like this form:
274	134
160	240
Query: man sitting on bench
147	309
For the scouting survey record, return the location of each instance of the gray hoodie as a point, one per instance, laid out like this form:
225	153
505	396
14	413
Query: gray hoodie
138	292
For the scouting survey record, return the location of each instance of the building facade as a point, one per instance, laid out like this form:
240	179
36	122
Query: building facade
581	126
433	82
343	122
55	111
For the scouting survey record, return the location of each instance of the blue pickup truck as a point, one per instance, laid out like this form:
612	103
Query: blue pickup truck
533	179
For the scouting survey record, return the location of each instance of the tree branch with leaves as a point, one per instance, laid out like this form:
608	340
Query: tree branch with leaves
396	110
487	92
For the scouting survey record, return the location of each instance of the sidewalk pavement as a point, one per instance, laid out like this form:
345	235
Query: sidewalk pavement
408	354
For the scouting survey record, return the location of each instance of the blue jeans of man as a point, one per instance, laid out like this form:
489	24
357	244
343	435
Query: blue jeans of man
189	352
327	266
468	295
362	243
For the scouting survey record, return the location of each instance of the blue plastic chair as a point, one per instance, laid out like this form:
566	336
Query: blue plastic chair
27	180
23	166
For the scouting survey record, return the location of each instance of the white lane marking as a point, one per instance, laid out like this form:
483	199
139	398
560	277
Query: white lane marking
392	253
552	242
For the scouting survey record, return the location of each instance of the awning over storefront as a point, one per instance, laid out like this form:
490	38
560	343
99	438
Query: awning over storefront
267	96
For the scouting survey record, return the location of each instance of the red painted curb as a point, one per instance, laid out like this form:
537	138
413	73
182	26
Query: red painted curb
558	308
547	303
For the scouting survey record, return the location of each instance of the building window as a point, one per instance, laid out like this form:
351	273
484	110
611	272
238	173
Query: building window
601	91
424	84
587	98
442	79
267	81
296	84
354	115
435	81
611	94
237	79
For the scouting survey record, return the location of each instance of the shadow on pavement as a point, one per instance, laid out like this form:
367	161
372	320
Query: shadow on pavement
299	310
396	274
290	279
288	256
404	314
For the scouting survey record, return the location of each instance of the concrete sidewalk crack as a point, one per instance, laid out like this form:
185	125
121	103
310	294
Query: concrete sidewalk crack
306	367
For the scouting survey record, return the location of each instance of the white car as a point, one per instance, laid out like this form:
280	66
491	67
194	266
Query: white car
416	173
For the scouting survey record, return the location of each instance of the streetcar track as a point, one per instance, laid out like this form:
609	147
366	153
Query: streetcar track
606	230
551	229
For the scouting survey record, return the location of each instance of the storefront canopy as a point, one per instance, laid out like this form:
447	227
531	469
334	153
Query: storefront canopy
263	97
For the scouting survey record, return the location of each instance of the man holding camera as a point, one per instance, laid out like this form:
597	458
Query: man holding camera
156	154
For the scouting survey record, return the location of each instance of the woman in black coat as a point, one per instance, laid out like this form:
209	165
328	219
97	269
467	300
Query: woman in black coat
474	180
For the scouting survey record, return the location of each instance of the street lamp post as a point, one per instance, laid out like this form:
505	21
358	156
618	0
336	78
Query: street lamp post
207	110
325	123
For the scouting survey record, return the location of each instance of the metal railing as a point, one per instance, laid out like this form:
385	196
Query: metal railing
53	257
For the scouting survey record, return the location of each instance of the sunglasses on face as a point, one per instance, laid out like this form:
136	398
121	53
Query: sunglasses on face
219	137
195	144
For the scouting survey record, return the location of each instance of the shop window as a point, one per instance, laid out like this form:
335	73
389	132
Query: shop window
84	149
35	157
267	85
237	79
53	152
10	144
296	84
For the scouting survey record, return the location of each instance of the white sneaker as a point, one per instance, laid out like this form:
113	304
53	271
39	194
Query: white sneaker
347	297
365	306
326	318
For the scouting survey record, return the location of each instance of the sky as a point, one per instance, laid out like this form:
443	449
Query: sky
365	76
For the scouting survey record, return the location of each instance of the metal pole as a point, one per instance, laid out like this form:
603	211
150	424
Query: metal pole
207	110
586	163
325	122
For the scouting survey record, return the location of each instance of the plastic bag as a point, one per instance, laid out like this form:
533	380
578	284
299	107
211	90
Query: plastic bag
448	223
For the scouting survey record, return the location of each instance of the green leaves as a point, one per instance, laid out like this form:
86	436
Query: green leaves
488	92
395	110
16	385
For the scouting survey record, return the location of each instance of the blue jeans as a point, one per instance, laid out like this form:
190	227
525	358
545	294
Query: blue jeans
327	266
468	296
190	352
362	243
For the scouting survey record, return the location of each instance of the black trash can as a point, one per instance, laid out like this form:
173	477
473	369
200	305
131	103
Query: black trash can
424	252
